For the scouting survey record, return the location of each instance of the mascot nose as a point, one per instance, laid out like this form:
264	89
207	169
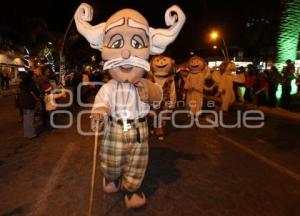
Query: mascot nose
125	54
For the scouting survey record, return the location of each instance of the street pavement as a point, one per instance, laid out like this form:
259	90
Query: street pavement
195	171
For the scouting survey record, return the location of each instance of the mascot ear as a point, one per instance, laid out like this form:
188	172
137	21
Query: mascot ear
161	38
93	34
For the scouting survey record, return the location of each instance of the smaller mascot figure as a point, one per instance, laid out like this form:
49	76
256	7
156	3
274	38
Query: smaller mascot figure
228	77
194	84
125	41
163	70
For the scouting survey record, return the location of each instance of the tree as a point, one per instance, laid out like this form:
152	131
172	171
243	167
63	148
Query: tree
288	39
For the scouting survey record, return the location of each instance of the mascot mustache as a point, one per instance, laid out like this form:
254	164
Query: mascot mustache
133	61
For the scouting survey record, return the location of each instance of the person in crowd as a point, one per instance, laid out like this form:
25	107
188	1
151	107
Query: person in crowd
273	80
50	104
182	73
5	80
85	89
17	97
250	82
42	75
1	79
287	76
261	94
298	83
44	78
28	97
96	77
237	86
76	80
37	70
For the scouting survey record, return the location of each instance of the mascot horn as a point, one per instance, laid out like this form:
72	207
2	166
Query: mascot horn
159	38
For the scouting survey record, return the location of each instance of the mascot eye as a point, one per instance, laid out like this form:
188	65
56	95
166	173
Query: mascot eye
116	41
137	42
117	44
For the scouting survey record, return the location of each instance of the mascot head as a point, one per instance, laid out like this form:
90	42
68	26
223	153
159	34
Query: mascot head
227	67
162	66
197	64
126	40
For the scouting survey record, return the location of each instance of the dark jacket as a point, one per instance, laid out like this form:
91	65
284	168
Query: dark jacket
28	94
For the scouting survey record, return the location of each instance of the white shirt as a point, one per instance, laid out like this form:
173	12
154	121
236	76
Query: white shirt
50	100
122	100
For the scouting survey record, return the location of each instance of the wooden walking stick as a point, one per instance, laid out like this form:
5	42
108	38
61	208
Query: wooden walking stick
91	199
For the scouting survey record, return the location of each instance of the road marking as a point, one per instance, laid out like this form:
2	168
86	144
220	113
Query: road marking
41	204
261	141
263	159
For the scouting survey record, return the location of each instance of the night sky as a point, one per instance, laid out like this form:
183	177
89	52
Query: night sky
230	17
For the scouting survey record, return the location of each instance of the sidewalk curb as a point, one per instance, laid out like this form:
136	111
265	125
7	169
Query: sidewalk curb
267	110
280	112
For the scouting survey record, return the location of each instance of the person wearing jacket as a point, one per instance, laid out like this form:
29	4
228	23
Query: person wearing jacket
29	95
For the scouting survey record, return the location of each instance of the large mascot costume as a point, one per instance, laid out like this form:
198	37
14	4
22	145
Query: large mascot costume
126	40
194	84
228	77
163	70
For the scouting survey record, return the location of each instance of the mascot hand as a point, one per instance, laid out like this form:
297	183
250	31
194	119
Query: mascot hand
97	117
99	114
149	91
142	90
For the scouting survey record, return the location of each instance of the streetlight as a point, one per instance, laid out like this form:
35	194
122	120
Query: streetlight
214	35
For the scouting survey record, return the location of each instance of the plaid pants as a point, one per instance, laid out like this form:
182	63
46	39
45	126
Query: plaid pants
123	156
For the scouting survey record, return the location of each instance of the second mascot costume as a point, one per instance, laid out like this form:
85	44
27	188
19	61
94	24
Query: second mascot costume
228	77
194	84
126	41
163	70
